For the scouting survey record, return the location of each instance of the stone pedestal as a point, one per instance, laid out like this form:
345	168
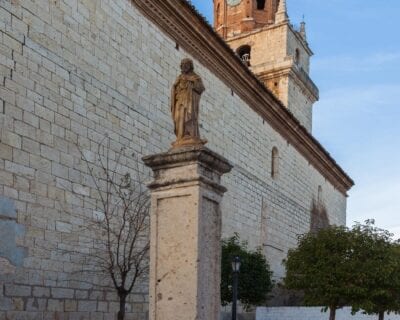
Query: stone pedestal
186	234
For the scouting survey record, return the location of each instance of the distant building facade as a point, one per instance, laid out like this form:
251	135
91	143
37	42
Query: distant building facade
75	70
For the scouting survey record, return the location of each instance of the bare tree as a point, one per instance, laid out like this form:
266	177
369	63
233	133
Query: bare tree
120	223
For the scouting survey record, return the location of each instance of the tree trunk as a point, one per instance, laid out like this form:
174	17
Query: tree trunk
381	315
122	303
332	313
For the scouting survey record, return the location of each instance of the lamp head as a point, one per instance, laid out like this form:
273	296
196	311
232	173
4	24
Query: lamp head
236	264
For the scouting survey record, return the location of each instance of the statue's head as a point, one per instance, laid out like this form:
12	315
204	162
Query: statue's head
187	66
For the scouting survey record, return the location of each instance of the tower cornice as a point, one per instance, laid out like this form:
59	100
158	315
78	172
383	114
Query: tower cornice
289	68
303	42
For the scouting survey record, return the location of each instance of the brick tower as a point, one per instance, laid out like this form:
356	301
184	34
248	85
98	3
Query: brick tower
260	32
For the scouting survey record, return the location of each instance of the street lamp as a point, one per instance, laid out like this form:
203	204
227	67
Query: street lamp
235	270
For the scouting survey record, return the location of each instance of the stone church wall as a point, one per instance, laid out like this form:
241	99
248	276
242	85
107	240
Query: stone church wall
300	100
268	46
301	104
293	44
74	70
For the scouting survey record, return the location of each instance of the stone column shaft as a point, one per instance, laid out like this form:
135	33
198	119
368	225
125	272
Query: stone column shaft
186	234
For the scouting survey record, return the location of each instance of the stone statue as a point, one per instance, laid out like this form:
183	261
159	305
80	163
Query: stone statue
185	101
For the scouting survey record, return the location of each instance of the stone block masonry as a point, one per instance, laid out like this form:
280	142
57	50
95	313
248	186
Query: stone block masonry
72	71
274	50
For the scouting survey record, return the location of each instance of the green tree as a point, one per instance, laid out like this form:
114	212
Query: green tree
337	266
377	264
319	267
255	276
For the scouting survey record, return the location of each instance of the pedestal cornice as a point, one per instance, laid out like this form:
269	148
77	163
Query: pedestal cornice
199	165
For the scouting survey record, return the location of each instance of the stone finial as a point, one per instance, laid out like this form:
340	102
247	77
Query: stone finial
281	14
303	32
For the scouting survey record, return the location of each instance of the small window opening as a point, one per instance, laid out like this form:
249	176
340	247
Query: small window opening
319	198
275	163
261	4
244	52
275	89
297	56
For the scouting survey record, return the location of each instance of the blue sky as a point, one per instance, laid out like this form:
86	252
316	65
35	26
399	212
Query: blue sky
357	68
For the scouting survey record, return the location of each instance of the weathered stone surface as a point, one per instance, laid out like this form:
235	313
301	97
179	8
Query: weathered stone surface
281	60
185	234
11	255
185	106
61	293
6	268
41	292
63	227
7	208
18	291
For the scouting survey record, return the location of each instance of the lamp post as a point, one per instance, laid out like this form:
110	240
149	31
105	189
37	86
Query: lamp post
235	270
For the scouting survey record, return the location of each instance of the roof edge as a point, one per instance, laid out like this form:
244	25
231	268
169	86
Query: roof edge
185	25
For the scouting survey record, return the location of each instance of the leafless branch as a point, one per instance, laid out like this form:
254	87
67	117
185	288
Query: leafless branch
117	233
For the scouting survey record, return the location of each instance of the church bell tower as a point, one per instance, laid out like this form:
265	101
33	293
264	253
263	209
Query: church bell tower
233	17
260	32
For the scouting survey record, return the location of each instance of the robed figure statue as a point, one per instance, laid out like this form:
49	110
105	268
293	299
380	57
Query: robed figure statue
185	101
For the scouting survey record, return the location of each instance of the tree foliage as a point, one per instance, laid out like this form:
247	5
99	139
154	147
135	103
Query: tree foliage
255	276
337	266
377	261
317	267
